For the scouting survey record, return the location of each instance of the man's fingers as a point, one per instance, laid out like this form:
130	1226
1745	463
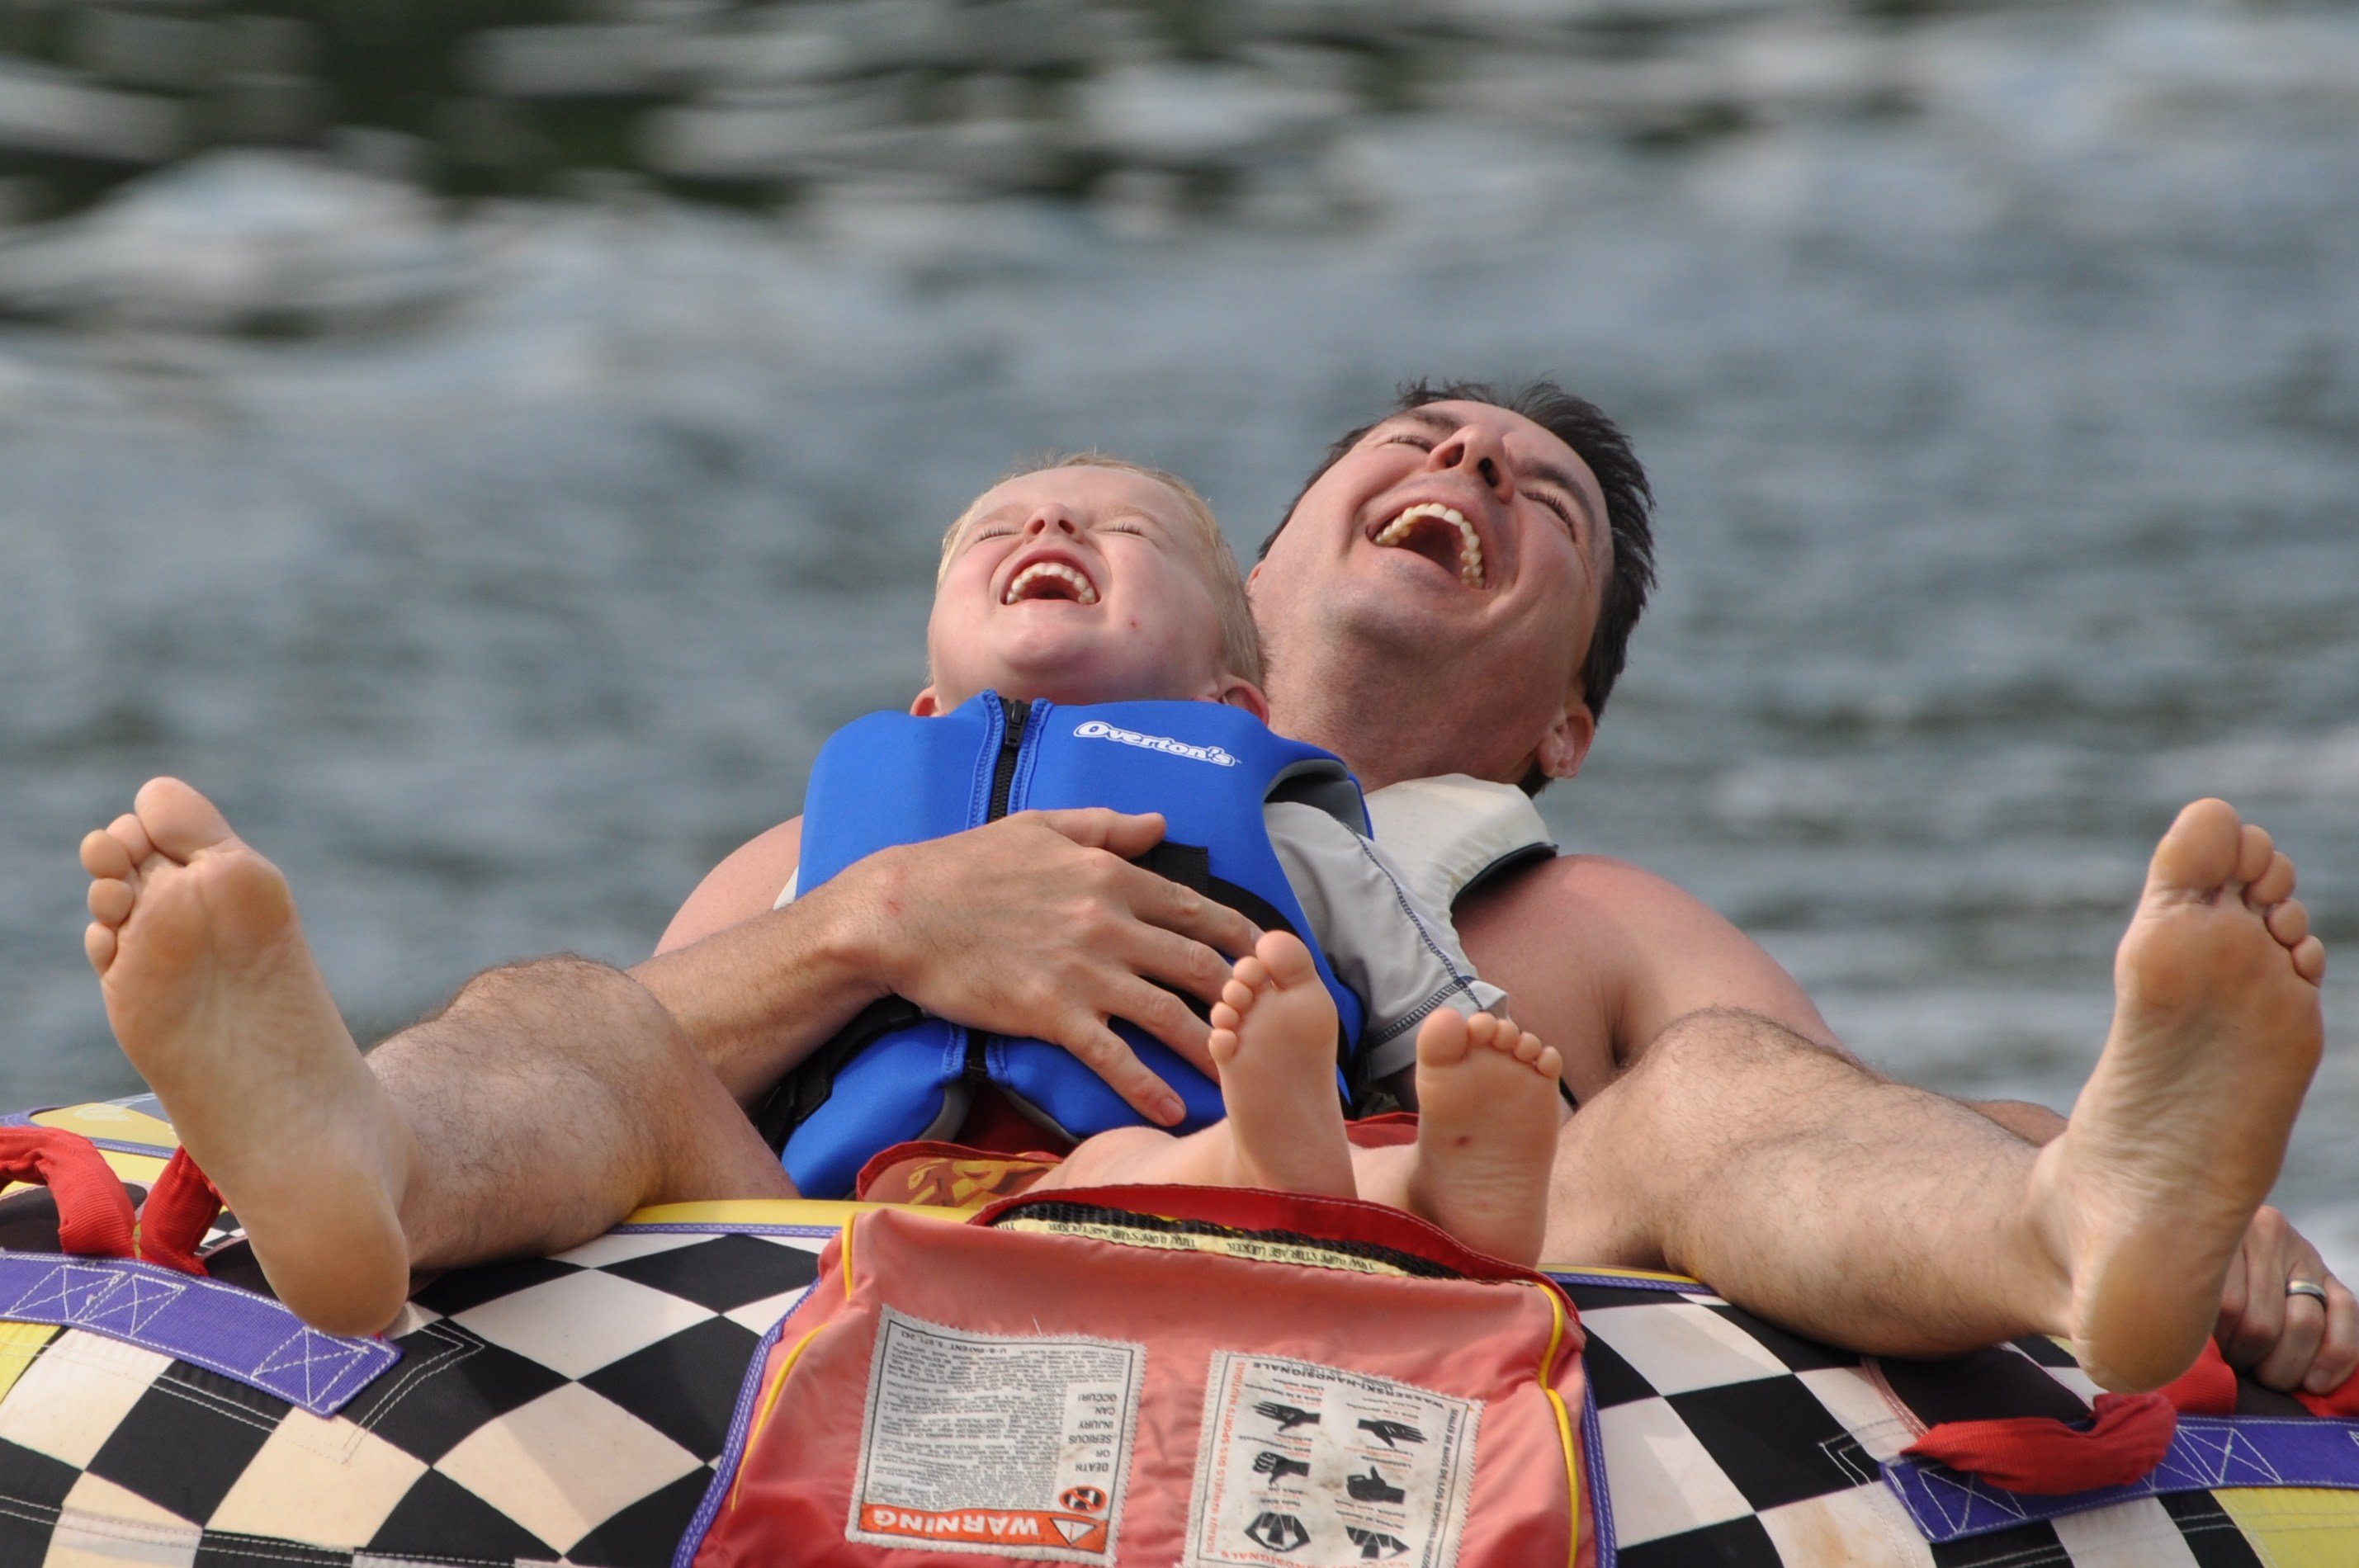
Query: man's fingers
1095	828
2289	1360
1103	1052
1179	962
1158	900
2232	1293
2337	1352
1165	1017
2261	1323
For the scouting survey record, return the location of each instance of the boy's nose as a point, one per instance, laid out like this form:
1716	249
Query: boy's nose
1051	520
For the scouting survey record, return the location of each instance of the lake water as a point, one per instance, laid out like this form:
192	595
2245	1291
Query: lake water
496	526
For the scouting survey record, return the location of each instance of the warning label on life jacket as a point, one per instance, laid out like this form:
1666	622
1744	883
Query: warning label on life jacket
1312	1466
981	1443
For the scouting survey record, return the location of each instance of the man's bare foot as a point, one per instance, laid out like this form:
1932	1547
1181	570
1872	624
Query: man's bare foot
1274	1040
1487	1116
214	997
2142	1199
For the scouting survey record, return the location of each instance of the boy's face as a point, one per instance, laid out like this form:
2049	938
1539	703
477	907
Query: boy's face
1077	585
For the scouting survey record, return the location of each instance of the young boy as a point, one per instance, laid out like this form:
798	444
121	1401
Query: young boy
1085	583
1092	581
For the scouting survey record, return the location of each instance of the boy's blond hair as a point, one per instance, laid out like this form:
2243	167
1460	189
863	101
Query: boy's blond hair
1200	534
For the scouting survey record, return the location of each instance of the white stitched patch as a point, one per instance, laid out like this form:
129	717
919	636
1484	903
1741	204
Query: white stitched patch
981	1443
1304	1465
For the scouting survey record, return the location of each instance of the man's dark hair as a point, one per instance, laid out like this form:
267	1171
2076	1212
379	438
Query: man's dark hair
1629	502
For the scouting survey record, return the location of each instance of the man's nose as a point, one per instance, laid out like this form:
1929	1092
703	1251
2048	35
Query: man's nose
1478	452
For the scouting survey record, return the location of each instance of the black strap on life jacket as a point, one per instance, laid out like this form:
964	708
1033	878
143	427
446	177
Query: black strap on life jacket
808	1085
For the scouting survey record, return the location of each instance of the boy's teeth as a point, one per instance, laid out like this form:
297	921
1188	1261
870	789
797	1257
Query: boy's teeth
1470	546
1082	591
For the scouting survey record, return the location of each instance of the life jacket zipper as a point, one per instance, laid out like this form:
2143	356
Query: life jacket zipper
1011	748
1013	716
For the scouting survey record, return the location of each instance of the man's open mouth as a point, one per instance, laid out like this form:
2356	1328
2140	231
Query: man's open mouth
1049	579
1441	535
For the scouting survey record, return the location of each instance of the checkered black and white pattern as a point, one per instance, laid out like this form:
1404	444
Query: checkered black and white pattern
572	1411
566	1409
1725	1442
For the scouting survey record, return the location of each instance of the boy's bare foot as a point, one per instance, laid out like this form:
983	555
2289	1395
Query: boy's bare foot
1488	1112
1274	1040
215	998
2142	1199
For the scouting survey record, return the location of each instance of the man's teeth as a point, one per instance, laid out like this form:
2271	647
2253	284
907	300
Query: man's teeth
1470	546
1081	586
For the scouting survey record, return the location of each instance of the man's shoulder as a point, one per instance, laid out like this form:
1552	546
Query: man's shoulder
1563	885
745	885
1600	954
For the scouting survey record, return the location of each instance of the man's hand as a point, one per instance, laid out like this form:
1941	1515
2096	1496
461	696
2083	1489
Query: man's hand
1037	926
2286	1341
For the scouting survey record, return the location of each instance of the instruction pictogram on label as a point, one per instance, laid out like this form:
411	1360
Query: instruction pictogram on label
981	1443
1311	1466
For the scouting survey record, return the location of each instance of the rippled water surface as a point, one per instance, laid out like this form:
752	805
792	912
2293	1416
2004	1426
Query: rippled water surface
499	538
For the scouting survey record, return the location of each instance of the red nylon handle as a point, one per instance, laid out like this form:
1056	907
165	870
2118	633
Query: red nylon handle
94	1211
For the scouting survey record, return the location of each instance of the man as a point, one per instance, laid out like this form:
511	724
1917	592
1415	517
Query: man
1723	1133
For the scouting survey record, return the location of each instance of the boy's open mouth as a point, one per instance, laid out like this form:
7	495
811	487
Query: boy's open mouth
1050	580
1441	535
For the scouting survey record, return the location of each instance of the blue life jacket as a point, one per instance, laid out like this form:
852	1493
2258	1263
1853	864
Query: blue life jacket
897	1074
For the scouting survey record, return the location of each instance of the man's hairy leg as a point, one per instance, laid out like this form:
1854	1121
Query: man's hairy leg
552	1099
1898	1222
543	1106
1805	1188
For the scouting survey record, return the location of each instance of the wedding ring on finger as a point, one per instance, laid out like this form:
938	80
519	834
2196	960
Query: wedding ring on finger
2316	1292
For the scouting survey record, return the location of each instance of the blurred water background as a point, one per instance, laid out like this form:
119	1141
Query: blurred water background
489	445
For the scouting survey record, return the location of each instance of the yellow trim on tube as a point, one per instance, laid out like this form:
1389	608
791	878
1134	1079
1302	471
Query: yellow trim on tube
2294	1526
100	1119
19	1343
132	1167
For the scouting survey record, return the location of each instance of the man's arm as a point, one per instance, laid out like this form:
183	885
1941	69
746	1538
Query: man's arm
1597	956
1637	952
758	988
1036	924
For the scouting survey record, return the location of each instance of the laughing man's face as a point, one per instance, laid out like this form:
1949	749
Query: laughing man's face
1467	546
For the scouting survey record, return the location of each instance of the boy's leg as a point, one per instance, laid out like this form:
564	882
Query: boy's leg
1273	1040
214	996
1488	1113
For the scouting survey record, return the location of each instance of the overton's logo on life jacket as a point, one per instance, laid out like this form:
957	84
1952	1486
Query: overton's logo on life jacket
1098	729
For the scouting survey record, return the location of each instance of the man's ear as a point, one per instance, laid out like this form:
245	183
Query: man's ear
1566	744
1239	693
927	705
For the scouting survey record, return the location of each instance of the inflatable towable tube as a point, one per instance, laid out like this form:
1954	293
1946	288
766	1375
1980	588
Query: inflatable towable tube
591	1409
